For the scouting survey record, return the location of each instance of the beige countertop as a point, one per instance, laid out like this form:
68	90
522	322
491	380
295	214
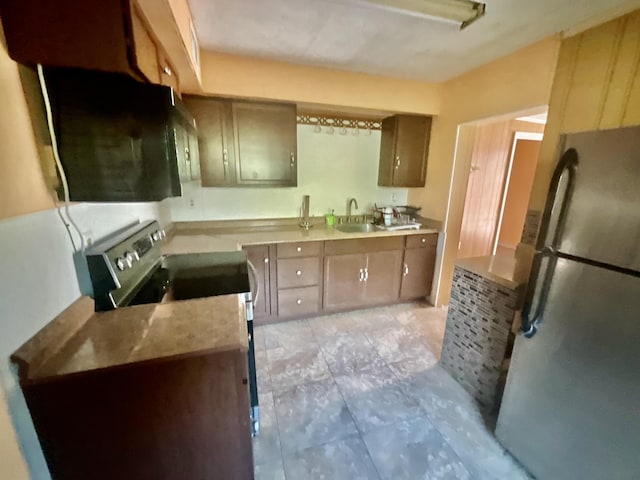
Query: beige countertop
80	340
190	238
512	271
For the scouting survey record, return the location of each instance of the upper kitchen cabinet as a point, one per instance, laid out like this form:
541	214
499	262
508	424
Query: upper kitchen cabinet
245	143
112	36
266	144
403	151
215	142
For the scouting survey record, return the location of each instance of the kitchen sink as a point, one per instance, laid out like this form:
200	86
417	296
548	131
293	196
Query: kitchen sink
355	227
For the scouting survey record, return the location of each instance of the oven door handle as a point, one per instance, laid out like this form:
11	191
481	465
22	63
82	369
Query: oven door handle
254	274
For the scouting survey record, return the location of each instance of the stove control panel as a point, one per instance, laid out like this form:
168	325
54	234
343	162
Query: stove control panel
121	261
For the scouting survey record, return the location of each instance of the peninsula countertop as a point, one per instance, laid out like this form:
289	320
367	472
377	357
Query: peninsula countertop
511	271
81	340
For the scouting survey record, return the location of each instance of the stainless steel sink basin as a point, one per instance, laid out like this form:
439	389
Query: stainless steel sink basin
355	227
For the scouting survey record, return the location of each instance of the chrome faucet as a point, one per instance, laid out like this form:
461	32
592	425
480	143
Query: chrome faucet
349	202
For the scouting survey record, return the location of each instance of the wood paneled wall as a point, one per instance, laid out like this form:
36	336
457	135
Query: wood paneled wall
485	188
596	87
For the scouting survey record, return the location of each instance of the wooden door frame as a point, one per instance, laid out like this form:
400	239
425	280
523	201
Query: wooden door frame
507	178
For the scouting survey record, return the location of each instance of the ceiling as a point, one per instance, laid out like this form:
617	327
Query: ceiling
356	36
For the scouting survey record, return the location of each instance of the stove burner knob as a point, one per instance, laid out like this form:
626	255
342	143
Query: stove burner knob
163	234
129	259
155	236
120	264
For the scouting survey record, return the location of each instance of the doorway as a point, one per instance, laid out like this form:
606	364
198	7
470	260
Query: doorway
502	168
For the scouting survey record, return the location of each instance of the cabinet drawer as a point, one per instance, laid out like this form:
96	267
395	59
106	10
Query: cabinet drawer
299	249
298	301
298	272
424	240
363	245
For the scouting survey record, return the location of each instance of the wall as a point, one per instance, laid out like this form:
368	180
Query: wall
596	86
22	185
232	75
331	169
518	82
523	169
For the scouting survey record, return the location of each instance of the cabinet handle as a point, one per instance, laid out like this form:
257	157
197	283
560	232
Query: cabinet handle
397	161
266	260
405	271
424	240
293	159
186	153
298	301
298	272
299	249
366	274
225	157
361	275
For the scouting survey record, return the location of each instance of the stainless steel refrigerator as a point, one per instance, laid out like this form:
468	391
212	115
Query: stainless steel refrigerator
571	405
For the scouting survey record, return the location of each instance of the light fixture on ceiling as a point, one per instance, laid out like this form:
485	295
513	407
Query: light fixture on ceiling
460	12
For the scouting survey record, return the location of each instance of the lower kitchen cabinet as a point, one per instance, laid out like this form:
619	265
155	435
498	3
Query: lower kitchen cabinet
343	281
179	418
305	278
362	279
259	256
418	266
299	278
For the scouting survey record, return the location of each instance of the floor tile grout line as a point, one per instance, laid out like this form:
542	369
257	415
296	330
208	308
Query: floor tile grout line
353	419
360	434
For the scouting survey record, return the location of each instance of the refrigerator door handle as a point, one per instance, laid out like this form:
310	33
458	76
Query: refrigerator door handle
568	163
536	298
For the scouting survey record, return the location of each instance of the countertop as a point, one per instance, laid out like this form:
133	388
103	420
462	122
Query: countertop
210	237
511	271
81	340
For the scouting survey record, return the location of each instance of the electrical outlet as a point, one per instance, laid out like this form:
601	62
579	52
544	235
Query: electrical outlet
394	197
192	203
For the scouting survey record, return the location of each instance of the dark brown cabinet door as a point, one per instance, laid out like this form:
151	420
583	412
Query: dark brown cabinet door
259	256
265	142
344	281
403	151
382	277
213	123
417	273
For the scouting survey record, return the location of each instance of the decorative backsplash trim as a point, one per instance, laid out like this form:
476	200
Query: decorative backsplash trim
338	121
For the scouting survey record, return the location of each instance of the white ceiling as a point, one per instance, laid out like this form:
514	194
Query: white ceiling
353	35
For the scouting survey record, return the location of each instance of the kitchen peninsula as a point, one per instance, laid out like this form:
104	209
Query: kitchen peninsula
486	298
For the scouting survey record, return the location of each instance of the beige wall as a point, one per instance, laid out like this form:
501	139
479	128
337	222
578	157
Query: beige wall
517	82
596	86
22	185
232	75
523	169
11	462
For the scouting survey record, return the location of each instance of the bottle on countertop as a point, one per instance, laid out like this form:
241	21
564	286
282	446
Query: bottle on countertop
388	216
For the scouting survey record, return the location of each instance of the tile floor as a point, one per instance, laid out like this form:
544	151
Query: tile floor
360	395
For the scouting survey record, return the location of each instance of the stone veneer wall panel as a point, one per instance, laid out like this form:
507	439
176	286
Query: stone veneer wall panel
477	332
